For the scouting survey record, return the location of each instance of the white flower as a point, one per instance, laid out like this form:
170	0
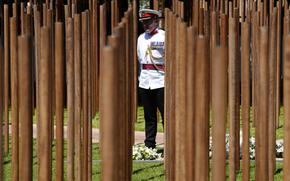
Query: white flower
141	152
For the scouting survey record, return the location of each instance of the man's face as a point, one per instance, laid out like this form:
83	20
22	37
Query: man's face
150	25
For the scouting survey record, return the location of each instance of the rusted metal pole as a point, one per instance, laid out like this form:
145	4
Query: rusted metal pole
109	96
245	93
77	94
169	102
1	110
6	78
91	68
233	29
173	53
22	19
219	106
50	25
255	51
201	108
44	147
122	94
272	94
25	108
70	96
14	99
237	90
85	84
102	26
44	15
181	101
14	9
113	14
278	70
59	98
262	168
190	125
201	21
37	38
135	60
242	10
286	87
96	58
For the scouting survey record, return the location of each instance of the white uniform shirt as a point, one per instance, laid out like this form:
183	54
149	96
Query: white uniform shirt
151	49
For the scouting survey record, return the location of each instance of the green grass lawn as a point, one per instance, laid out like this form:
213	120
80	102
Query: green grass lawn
140	122
141	171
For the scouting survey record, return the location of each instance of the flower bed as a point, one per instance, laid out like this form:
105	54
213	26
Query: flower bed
141	152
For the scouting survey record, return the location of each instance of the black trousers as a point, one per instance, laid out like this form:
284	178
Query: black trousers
151	100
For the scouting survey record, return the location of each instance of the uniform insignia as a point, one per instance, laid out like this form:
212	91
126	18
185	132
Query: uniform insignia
157	45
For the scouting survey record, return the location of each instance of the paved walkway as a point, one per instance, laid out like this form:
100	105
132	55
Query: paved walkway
139	136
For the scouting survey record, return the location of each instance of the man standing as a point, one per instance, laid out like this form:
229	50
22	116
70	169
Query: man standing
150	51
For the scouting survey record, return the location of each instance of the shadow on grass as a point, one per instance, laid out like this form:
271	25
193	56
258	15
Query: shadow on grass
154	177
144	168
278	171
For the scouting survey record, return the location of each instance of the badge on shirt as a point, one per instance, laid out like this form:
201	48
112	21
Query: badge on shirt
157	45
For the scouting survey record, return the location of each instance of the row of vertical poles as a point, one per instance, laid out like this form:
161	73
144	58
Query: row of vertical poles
243	67
118	100
47	60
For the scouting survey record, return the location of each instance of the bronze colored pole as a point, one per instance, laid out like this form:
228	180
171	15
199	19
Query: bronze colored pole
262	168
113	14
201	21
28	9
109	115
95	58
70	97
224	31
1	109
122	94
85	84
59	98
6	78
126	97
44	15
77	94
245	93
91	68
14	9
14	99
37	37
172	115
73	10
255	63
272	94
135	60
233	28
201	108
286	88
195	13
190	125
181	101
169	135
237	90
66	11
22	19
44	147
102	26
278	70
219	108
25	108
242	10
50	25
